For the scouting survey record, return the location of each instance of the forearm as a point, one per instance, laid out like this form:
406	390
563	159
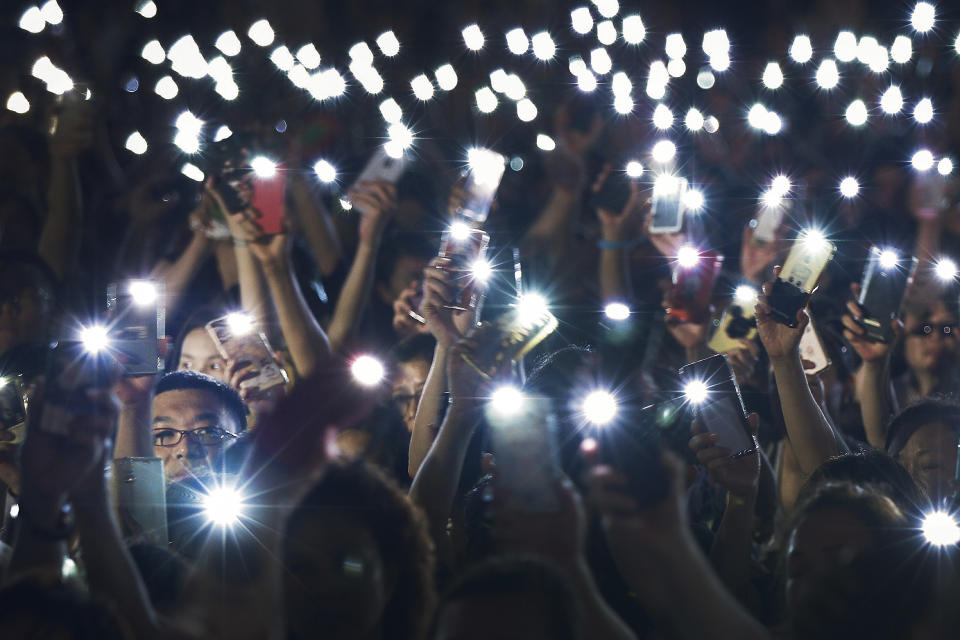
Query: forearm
428	411
873	392
435	485
305	339
314	222
253	292
60	237
548	235
34	552
730	553
811	435
599	618
353	296
178	276
134	439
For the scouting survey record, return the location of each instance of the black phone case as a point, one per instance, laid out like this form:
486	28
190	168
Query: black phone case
785	301
881	296
715	371
613	195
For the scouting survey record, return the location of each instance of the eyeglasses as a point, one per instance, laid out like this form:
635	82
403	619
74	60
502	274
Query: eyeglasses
926	329
207	436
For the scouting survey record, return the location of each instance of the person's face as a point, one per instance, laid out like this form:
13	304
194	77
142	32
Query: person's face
507	617
199	353
335	580
23	318
930	351
200	414
406	269
825	541
930	455
408	386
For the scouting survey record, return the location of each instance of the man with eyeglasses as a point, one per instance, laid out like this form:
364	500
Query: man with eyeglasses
191	420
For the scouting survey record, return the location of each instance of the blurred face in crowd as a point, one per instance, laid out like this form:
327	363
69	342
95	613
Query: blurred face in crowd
930	455
24	309
931	341
408	384
335	581
828	539
208	428
199	353
507	617
406	269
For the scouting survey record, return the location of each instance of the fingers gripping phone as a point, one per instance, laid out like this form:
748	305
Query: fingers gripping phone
245	179
136	312
882	290
801	272
712	390
467	255
237	338
668	204
525	448
13	409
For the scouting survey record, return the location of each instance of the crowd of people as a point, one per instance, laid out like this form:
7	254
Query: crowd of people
338	428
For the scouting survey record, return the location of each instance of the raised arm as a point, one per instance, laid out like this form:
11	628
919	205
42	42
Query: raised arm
60	240
313	221
615	245
178	275
377	201
809	431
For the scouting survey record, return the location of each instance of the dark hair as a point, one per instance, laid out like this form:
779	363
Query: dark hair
399	244
59	608
27	261
937	410
417	347
521	576
363	494
868	467
197	319
186	380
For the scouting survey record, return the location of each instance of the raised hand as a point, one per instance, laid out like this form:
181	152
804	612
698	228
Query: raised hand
447	325
744	361
779	340
668	244
377	202
74	131
466	383
739	476
408	301
614	223
869	351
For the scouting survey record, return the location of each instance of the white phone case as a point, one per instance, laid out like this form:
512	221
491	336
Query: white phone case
811	351
663	220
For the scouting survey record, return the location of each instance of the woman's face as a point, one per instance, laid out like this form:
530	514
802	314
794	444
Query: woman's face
928	346
199	353
408	386
826	541
335	583
930	455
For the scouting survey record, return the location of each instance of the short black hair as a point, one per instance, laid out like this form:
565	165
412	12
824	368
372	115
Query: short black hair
398	244
417	347
935	410
521	575
197	319
186	379
867	467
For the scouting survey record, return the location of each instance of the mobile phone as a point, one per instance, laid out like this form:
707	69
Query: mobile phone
269	200
799	276
525	446
689	298
383	167
136	312
238	338
464	254
884	285
931	188
812	354
139	497
668	206
712	390
72	371
228	164
769	218
13	409
634	450
485	170
517	332
614	194
738	322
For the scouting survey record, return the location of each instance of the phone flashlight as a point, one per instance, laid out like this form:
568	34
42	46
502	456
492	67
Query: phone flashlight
223	505
945	269
481	270
143	292
263	167
531	307
617	311
506	401
688	256
806	262
599	407
240	323
367	370
94	338
696	391
940	528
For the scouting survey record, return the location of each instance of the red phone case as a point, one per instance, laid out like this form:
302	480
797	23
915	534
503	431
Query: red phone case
689	299
269	198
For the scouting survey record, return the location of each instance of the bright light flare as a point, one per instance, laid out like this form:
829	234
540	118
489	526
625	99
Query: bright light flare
193	172
473	37
688	256
53	14
663	151
446	77
32	20
675	46
240	323
940	528
422	87
772	76
696	391
922	160
136	143
828	76
901	50
891	102
814	240
544	48
308	56
923	111
228	43
531	307
780	185
600	61
526	110
388	44
282	58
147	9
607	8
587	82
367	370
856	113
481	270
945	269
261	33
801	50
223	506
616	311
845	46
745	295
18	103
599	407
486	100
517	41
506	401
633	29
94	338
391	111
325	171
662	117
693	120
923	17
581	20
849	187
693	200
143	292
888	259
634	169
545	142
945	166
